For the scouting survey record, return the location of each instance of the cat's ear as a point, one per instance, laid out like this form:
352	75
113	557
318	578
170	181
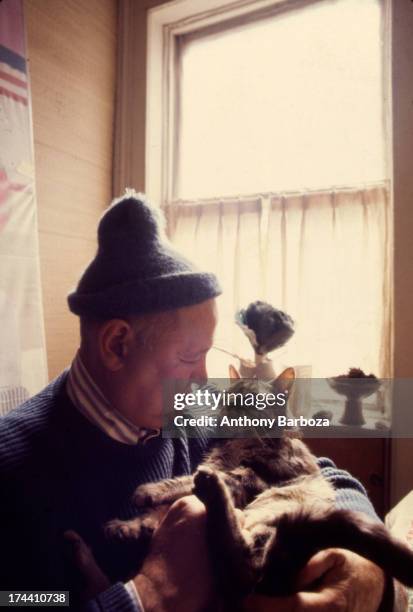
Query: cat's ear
284	381
233	373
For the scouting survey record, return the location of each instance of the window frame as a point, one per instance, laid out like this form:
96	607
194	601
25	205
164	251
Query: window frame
166	23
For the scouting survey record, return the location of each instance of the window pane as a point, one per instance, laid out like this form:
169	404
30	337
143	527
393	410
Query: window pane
292	102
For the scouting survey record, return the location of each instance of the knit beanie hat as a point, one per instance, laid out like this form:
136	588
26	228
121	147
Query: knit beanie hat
135	270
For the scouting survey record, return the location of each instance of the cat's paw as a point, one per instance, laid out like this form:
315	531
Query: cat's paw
207	484
123	530
148	494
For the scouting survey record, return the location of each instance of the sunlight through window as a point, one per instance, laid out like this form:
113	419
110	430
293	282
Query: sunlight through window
291	102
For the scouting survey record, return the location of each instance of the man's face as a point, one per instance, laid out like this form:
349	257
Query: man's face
179	353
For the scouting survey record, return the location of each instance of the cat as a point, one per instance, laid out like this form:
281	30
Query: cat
288	512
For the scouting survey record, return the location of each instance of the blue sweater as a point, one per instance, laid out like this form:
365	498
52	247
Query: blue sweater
60	472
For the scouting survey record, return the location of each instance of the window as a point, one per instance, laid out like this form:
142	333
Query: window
267	125
293	101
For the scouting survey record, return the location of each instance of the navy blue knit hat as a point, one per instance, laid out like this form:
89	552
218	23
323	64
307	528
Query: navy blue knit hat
135	270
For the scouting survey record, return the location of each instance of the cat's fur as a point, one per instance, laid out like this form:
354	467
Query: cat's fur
288	513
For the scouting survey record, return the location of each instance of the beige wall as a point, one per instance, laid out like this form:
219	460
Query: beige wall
72	62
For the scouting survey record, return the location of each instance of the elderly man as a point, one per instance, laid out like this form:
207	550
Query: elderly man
71	457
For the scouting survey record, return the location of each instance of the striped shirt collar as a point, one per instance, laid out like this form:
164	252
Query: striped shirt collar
91	402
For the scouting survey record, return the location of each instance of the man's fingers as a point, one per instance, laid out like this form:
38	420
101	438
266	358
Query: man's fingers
84	562
326	600
321	563
189	505
79	550
188	509
191	509
318	586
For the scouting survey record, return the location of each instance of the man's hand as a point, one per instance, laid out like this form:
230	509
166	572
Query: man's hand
177	574
87	577
334	580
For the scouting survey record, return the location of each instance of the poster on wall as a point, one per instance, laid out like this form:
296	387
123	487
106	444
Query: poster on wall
23	369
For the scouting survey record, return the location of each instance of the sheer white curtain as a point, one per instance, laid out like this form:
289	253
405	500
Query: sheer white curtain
320	256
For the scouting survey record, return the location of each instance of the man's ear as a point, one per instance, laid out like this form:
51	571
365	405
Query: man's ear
233	372
114	339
